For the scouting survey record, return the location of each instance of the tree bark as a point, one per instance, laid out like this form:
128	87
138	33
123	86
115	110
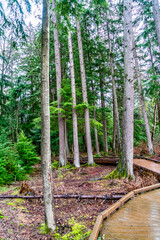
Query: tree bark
154	123
96	133
148	133
94	113
66	142
52	93
152	62
105	197
116	112
84	93
2	79
62	154
32	92
115	104
156	15
103	116
128	100
114	129
74	114
45	121
158	106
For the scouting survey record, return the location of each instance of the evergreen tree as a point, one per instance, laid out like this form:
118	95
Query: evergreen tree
128	100
45	121
61	121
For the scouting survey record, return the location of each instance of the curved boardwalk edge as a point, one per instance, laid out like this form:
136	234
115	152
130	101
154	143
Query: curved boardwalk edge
106	213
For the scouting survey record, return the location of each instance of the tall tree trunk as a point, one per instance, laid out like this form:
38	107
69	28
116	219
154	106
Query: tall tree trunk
84	92
128	100
66	142
96	133
158	106
52	93
62	154
17	119
74	114
151	56
116	112
156	15
103	106
95	128
148	133
52	83
115	104
103	116
94	103
114	129
2	80
32	92
45	121
154	123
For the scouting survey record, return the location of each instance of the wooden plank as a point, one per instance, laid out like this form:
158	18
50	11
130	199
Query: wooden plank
145	189
138	219
97	227
106	213
116	205
149	165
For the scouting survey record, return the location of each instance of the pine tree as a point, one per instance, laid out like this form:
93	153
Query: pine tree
61	120
115	105
75	127
84	93
128	100
137	69
45	121
156	15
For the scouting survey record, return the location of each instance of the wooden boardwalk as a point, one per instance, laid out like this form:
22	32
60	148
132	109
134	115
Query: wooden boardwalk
153	165
137	219
143	163
147	164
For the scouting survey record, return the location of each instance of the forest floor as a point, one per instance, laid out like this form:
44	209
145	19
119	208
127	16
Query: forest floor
23	219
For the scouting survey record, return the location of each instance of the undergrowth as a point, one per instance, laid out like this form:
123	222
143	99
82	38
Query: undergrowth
116	174
16	159
76	231
55	165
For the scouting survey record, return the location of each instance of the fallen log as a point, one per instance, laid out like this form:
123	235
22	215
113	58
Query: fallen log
21	196
104	197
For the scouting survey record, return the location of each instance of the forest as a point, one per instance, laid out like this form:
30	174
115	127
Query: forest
79	79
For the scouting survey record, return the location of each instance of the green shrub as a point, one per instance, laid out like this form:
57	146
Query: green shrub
26	151
55	164
1	215
44	229
10	164
16	159
139	130
97	155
